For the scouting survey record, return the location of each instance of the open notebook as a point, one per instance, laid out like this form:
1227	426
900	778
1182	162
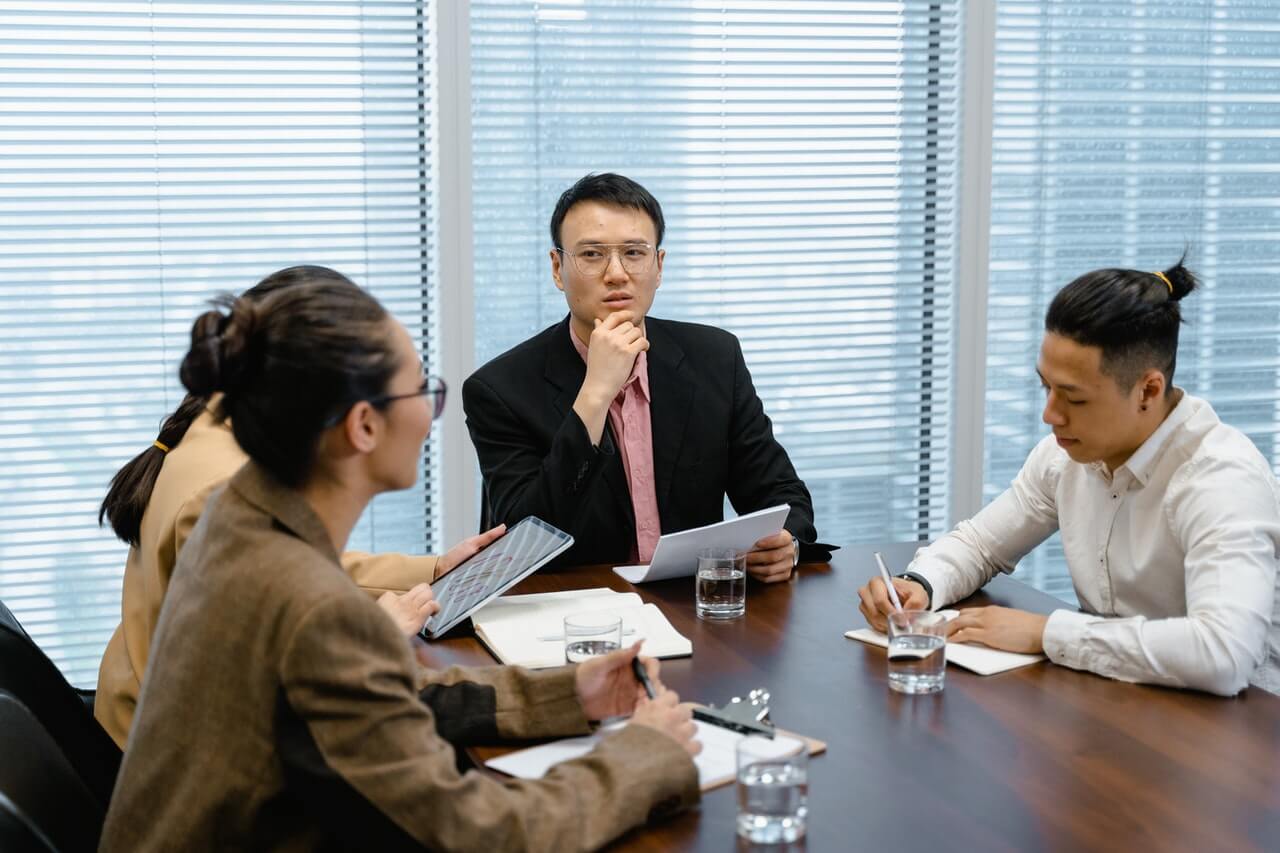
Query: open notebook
979	659
528	630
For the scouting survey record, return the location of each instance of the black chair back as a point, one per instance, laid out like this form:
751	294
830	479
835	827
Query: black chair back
42	797
28	674
17	835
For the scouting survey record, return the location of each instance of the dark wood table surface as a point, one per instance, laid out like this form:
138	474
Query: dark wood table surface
1039	758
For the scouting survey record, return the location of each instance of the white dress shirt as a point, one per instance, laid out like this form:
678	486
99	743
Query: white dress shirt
1173	557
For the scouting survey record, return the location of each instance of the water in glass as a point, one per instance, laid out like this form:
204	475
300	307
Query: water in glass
722	593
917	663
773	802
579	650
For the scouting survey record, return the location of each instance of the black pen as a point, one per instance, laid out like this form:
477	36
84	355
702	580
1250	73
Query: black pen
643	677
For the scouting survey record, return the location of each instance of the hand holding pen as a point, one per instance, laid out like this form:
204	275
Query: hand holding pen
883	595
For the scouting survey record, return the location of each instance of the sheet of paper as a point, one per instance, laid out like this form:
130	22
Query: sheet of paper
677	553
716	763
979	659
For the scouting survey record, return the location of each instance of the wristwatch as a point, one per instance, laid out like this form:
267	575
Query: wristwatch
795	552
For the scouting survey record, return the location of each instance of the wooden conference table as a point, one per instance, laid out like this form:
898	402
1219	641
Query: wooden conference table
1039	758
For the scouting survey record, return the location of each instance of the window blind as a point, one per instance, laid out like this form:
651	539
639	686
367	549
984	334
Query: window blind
1125	132
152	155
805	158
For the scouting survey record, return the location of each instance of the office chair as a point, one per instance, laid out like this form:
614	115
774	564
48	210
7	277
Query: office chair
44	805
28	675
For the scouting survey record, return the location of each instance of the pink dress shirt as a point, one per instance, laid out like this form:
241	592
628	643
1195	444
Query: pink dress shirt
629	417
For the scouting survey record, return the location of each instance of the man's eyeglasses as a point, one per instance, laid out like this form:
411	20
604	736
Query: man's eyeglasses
432	386
594	259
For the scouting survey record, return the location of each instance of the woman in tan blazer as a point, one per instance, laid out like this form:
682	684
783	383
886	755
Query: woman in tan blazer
155	501
281	709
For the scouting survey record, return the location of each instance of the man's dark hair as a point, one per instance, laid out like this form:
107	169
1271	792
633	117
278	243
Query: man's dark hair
1132	316
607	188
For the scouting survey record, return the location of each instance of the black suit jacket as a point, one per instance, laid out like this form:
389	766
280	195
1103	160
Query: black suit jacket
711	438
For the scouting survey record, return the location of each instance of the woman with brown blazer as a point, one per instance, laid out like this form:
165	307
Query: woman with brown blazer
155	501
281	708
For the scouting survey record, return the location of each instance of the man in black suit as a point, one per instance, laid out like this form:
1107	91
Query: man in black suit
617	426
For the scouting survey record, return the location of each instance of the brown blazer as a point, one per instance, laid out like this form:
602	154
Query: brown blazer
205	459
279	712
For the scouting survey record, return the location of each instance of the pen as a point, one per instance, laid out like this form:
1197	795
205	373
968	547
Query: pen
641	676
888	582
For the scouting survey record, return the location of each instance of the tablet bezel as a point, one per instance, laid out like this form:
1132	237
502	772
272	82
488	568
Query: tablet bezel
429	632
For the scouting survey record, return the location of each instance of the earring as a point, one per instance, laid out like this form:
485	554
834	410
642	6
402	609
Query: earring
1143	407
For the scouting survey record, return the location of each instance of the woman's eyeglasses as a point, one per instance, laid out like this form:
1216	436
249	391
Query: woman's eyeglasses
432	386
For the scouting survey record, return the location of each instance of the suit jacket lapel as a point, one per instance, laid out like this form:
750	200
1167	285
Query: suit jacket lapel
564	371
671	388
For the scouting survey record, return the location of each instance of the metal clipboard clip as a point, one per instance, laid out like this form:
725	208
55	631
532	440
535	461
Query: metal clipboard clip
749	716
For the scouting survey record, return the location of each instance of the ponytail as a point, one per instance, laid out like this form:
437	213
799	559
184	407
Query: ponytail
131	487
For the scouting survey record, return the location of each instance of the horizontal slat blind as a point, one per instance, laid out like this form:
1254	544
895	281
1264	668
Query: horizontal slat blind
804	154
152	155
1125	132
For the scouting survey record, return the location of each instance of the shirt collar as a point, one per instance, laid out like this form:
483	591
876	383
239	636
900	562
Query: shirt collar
287	506
639	370
1144	459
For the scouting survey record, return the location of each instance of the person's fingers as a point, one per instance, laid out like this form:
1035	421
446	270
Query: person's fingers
777	540
880	596
912	594
762	556
771	573
693	747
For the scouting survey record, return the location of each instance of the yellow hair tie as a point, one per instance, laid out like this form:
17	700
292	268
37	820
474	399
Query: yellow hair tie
1166	281
157	443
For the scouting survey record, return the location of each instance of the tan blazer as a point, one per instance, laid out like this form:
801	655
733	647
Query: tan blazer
206	458
279	712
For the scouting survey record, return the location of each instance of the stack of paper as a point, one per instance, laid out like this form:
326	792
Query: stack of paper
528	630
975	658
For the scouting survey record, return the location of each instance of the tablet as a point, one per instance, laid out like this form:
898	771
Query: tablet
521	551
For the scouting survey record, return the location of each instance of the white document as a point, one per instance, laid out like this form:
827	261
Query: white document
677	553
974	658
528	630
717	763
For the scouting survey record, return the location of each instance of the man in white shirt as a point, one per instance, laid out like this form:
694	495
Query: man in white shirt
1170	518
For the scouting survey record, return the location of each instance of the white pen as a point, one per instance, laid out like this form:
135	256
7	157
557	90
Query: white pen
888	582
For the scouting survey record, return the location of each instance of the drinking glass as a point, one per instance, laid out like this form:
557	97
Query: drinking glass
721	590
590	634
917	651
773	789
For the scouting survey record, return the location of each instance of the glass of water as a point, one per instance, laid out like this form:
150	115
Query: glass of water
721	591
773	789
589	634
917	651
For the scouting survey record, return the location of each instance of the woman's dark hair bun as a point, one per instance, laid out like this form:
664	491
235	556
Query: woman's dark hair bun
221	346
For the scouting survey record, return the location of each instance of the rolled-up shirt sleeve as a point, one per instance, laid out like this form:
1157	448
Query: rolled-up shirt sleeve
1224	515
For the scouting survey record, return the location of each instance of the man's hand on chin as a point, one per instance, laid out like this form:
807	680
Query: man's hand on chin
772	558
